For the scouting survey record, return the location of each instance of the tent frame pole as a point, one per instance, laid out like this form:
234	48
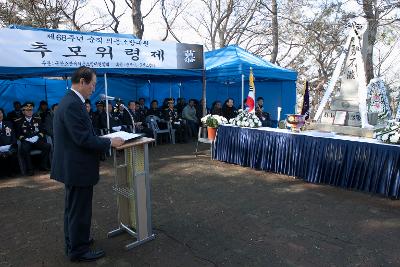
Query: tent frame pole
204	95
106	91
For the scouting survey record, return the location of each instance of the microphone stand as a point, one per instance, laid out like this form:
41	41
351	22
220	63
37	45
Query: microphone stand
130	115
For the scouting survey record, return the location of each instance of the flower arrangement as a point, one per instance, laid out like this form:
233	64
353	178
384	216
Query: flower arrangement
377	99
389	134
213	121
246	119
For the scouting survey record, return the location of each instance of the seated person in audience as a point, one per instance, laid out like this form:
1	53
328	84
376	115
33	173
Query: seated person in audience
216	108
189	114
199	109
245	106
263	116
31	133
142	106
8	147
180	105
120	111
136	116
141	112
48	125
140	125
97	116
154	110
90	112
171	115
228	109
42	111
16	113
115	123
165	103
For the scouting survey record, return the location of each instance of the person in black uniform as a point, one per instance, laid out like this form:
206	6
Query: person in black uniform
16	113
171	115
31	133
77	151
8	143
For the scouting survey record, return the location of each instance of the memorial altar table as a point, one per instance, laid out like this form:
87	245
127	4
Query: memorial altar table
344	161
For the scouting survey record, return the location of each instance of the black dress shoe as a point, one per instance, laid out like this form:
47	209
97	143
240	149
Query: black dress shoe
91	255
31	173
46	169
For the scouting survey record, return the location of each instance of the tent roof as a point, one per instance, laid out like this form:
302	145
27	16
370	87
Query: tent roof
229	63
21	72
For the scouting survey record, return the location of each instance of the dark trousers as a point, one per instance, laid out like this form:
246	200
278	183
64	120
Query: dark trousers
8	162
77	219
193	128
41	145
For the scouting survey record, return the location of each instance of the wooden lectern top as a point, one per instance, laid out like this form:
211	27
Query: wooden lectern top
137	142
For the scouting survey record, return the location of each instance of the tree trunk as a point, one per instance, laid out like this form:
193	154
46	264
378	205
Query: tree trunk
275	33
369	38
138	26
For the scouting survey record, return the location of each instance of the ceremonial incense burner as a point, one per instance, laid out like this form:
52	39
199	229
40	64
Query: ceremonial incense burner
295	122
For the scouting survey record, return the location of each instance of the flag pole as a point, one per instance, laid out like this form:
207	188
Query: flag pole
242	90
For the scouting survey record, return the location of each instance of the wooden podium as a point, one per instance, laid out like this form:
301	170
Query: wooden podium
132	185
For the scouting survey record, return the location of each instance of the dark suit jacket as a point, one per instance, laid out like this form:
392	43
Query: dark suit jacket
77	149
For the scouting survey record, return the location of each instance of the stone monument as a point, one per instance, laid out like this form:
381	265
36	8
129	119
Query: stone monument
347	113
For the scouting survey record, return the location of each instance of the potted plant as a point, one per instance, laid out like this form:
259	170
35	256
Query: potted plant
212	122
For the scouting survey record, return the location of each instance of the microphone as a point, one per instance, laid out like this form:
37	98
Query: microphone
104	97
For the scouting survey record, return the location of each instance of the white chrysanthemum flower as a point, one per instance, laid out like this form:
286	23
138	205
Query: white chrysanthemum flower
252	124
204	119
246	124
259	124
385	137
394	138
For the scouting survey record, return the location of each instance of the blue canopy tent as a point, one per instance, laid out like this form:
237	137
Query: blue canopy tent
224	70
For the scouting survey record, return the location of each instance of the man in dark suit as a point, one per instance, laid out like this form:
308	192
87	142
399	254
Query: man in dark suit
77	151
16	113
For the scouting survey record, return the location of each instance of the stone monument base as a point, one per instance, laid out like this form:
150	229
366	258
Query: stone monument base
346	130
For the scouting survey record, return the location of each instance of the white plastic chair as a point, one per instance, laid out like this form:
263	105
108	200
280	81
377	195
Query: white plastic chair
202	137
156	131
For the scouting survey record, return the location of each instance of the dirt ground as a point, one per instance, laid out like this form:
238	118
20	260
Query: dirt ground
208	213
